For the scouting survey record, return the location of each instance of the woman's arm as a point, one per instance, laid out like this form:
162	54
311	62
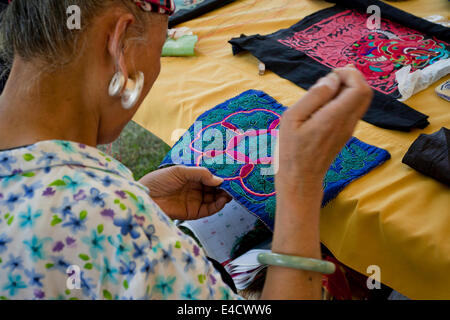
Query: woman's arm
312	133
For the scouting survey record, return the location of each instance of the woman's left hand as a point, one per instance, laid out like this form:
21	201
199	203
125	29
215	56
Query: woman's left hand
186	193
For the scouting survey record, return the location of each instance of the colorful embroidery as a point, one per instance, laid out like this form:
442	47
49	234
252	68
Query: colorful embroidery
344	38
187	4
236	139
190	9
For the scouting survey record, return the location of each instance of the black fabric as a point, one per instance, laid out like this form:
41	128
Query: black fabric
185	14
224	274
385	111
430	155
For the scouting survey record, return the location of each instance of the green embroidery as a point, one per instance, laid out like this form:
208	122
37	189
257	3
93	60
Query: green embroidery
351	158
236	188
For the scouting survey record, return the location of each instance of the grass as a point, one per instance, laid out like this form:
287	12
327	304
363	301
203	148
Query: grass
138	149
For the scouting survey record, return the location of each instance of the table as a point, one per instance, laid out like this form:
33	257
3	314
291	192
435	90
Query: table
394	217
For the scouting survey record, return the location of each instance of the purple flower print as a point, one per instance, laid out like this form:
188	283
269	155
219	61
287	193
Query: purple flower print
58	246
48	192
107	213
80	195
196	250
39	294
70	241
140	220
121	194
213	279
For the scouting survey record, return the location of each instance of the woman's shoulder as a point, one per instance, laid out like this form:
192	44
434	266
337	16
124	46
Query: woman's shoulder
85	187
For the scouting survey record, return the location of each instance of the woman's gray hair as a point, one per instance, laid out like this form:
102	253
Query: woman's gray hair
37	29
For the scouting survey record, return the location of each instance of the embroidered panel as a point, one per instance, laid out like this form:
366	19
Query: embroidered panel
191	9
236	141
344	38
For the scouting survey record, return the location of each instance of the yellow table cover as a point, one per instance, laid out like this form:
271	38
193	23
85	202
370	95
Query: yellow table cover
394	217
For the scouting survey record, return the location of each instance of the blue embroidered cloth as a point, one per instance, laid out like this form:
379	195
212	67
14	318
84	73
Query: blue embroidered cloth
236	139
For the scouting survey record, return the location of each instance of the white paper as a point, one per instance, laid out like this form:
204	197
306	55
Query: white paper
411	83
245	268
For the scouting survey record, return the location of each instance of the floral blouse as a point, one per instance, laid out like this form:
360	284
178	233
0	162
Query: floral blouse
75	225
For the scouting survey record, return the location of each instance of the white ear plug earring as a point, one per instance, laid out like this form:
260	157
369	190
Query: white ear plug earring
133	89
116	85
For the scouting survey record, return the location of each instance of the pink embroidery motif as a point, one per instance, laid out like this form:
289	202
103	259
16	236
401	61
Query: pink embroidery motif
232	148
344	38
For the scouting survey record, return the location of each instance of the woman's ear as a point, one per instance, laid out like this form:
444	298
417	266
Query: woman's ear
116	42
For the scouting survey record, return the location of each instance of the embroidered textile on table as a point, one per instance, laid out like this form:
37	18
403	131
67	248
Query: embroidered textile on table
191	9
344	38
242	145
336	36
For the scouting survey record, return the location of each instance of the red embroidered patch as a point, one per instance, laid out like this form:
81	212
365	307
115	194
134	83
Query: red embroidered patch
344	38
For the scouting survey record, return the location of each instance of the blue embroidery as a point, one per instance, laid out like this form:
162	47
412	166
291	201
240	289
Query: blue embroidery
235	140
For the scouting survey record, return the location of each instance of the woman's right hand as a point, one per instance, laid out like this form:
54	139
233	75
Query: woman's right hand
312	132
317	127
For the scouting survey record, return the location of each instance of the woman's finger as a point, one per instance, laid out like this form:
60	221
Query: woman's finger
351	77
353	100
211	194
323	91
208	209
203	175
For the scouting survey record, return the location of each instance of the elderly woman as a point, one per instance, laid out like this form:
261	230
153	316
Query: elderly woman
74	223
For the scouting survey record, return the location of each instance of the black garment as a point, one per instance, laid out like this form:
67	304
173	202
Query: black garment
189	13
304	69
224	274
430	155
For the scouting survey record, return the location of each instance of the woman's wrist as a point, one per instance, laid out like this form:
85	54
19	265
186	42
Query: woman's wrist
297	223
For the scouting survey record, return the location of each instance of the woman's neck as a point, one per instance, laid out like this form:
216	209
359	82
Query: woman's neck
51	106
